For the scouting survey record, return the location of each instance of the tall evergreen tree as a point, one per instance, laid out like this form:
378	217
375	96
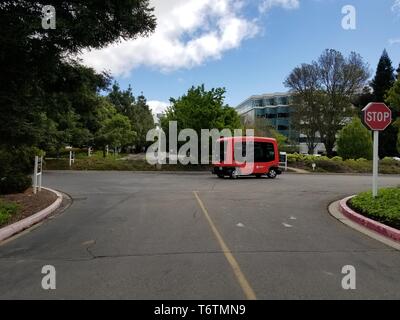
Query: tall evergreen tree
381	84
384	77
398	72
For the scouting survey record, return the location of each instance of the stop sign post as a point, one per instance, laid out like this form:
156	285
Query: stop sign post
377	116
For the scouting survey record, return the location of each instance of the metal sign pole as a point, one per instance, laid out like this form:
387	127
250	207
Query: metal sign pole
375	165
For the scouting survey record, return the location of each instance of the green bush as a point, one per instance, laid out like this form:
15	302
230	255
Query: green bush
7	210
355	141
15	183
337	158
330	166
16	166
385	208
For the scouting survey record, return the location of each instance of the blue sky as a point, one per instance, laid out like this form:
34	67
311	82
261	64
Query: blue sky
247	46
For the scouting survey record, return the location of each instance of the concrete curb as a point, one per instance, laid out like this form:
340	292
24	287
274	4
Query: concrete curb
334	210
380	228
19	226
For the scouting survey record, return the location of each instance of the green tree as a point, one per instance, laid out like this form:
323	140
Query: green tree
304	82
355	141
31	63
381	84
123	100
393	100
341	78
142	121
37	80
384	77
136	110
202	109
324	92
393	97
116	132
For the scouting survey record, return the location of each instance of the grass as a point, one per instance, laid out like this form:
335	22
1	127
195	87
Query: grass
7	211
385	208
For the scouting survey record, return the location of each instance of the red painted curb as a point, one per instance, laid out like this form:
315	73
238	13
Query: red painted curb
378	227
19	226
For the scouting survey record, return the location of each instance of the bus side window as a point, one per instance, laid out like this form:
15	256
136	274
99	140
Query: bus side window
264	152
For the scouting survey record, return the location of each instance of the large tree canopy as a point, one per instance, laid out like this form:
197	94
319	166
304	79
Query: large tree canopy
34	63
381	84
324	91
202	109
46	98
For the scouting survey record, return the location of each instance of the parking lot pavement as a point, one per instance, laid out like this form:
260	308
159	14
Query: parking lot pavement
165	236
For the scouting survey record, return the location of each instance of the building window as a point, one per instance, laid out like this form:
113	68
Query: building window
283	128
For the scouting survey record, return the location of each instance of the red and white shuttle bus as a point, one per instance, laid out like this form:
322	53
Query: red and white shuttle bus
265	160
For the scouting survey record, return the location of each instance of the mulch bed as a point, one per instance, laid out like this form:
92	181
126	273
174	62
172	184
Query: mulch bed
29	203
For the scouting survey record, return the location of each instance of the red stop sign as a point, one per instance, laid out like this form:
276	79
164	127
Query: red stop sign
377	116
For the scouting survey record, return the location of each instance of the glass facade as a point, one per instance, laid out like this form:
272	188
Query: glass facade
276	109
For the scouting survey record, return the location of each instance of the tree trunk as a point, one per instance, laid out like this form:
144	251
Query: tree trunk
329	146
311	147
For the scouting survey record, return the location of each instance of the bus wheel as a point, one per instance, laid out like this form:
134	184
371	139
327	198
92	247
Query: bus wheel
234	174
272	174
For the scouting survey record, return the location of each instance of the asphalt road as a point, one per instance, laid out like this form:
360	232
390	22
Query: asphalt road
149	236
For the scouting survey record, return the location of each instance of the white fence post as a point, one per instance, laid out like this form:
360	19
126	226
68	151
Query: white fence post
37	174
71	158
285	162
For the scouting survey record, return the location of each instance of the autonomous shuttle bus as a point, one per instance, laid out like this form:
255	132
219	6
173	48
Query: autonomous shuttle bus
261	154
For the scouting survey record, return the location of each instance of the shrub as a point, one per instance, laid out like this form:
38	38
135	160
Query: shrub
355	141
385	208
15	183
16	166
337	159
330	166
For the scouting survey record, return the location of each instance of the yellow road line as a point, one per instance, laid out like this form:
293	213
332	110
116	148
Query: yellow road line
244	284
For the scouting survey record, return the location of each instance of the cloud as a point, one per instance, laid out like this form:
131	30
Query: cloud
158	106
396	7
189	33
394	41
286	4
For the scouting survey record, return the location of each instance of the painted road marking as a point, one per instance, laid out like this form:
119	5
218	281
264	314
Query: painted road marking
244	284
